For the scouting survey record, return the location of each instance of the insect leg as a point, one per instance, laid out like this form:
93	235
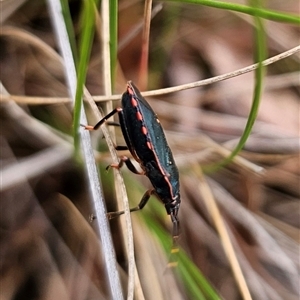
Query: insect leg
143	201
118	148
111	123
89	127
129	164
141	205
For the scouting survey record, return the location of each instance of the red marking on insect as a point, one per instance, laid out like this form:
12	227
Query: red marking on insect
149	145
139	116
134	102
144	130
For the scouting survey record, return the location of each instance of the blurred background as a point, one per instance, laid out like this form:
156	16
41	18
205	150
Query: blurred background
49	249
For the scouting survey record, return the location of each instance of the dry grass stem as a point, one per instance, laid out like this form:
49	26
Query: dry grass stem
267	62
220	225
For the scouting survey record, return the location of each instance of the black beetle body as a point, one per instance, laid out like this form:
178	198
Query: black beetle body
147	144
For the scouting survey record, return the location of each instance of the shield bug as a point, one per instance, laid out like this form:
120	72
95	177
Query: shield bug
146	141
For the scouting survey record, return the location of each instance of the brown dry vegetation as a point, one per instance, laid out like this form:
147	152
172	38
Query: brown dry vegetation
48	247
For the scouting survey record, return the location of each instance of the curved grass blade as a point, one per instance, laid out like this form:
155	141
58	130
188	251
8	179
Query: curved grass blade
260	53
249	10
113	28
85	44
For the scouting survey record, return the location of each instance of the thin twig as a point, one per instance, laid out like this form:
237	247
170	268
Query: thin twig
211	80
267	62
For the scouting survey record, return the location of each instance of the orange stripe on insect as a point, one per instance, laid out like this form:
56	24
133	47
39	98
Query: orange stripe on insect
149	145
144	130
139	116
134	102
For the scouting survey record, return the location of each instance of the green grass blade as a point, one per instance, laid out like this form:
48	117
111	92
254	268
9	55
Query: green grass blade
195	283
260	12
69	25
192	276
113	7
260	53
87	34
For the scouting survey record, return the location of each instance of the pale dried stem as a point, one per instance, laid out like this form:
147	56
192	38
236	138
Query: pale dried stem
269	61
220	226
